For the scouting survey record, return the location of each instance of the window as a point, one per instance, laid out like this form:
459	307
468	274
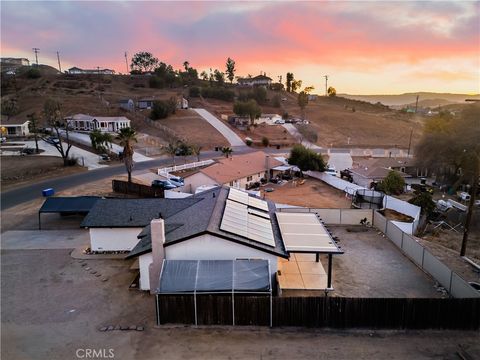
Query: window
231	183
249	178
12	130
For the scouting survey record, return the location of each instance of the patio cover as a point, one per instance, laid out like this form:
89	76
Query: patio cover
67	205
214	276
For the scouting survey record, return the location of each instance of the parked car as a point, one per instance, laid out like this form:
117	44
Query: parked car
3	139
279	121
163	184
177	180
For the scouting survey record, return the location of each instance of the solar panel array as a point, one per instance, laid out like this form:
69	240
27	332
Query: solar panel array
239	218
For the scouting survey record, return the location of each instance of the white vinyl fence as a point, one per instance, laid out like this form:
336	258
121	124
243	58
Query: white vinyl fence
336	216
165	171
421	256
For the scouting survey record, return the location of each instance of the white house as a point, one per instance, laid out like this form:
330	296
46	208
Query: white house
15	61
269	119
238	171
14	127
103	123
259	80
77	71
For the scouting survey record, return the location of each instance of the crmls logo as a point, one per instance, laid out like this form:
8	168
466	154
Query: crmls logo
95	353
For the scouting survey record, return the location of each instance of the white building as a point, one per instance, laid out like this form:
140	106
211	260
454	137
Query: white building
78	71
103	123
14	127
269	119
259	80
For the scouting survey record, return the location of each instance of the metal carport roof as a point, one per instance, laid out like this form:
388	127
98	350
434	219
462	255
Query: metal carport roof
67	205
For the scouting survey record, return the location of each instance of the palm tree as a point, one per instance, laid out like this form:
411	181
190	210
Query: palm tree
126	137
227	151
171	149
196	149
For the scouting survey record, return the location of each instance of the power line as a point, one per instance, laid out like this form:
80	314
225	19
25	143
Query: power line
326	84
36	50
58	58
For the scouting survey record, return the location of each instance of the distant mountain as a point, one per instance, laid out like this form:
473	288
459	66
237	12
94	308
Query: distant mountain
434	99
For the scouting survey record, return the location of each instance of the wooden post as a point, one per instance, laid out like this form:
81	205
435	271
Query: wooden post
329	278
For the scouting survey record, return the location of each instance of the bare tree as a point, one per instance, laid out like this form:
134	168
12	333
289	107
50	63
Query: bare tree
53	117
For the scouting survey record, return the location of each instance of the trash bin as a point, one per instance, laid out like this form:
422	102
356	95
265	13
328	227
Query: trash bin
48	192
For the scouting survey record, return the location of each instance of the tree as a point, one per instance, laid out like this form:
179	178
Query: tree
425	202
450	148
163	108
308	89
196	150
289	81
53	117
219	77
230	70
331	91
101	142
204	75
296	84
302	102
127	136
33	128
186	65
248	108
10	107
227	151
392	184
171	149
144	62
306	159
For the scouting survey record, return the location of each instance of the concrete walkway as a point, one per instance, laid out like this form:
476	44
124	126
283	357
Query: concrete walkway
228	133
294	132
44	239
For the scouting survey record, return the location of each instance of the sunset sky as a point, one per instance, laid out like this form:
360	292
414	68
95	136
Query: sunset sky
364	47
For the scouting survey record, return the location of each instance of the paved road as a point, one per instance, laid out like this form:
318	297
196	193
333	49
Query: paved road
228	133
294	132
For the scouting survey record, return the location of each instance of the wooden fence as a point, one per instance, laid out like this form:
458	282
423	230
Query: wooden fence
137	189
334	312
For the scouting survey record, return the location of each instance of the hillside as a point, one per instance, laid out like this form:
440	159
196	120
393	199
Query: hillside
410	98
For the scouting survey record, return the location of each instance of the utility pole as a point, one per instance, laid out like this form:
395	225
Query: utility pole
410	142
58	58
36	51
326	84
416	104
126	61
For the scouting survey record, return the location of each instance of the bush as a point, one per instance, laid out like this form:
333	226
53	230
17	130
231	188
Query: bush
265	141
392	184
306	159
162	109
156	82
249	142
194	91
218	93
33	73
276	101
71	161
424	200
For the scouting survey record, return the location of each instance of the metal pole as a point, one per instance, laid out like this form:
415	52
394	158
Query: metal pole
233	294
329	279
158	310
39	221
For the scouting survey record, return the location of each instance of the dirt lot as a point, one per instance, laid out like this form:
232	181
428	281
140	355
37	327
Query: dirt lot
18	170
313	193
53	307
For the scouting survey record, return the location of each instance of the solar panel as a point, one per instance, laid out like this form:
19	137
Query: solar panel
238	219
243	198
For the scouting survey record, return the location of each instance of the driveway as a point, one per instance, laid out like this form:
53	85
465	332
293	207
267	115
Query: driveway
44	239
228	133
340	161
294	132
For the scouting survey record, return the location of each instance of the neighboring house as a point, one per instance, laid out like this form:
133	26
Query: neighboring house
146	103
103	123
127	104
205	231
259	80
78	71
14	61
269	119
14	127
404	165
312	97
375	170
237	171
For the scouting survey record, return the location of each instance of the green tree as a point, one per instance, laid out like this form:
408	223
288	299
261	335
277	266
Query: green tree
186	65
10	107
424	201
290	79
308	89
296	84
127	136
33	128
196	150
219	77
331	91
265	141
230	70
392	184
227	151
306	159
101	142
204	75
144	61
171	149
52	112
302	102
163	108
249	108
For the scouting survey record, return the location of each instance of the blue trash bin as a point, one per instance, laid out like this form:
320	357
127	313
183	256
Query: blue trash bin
48	192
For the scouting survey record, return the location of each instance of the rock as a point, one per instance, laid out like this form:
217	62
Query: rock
124	328
93	272
103	328
98	275
87	268
140	328
133	327
110	328
105	279
84	264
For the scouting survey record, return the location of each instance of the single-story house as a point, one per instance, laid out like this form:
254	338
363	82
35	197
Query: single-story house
402	164
269	119
259	80
15	61
102	123
375	170
127	104
147	103
14	127
77	71
236	171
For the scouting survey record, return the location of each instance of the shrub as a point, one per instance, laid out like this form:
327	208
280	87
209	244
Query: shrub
265	141
194	91
392	184
156	82
424	200
306	159
249	142
162	109
218	93
33	73
276	101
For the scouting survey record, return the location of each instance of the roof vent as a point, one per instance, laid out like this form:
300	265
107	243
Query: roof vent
213	195
131	219
160	215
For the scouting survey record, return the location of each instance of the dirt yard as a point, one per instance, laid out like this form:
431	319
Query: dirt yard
313	193
19	170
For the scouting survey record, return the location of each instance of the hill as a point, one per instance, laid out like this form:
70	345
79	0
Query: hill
410	98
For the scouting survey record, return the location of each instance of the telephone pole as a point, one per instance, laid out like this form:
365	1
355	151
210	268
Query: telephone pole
416	104
36	51
410	142
326	84
126	61
58	58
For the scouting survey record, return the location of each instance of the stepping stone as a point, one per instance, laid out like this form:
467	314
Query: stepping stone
105	279
84	264
98	275
93	272
117	327
133	327
103	328
140	328
124	328
87	268
110	328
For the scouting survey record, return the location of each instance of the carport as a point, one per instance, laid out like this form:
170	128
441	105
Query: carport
67	206
305	233
183	283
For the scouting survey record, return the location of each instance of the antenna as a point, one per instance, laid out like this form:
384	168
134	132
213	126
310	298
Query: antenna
58	58
126	61
326	84
36	51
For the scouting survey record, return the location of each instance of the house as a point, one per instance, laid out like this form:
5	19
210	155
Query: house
15	62
78	71
269	119
145	103
405	165
84	122
14	127
259	80
238	171
127	104
375	170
